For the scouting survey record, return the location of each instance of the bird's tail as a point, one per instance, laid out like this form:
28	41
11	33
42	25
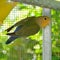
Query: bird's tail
11	39
9	28
11	34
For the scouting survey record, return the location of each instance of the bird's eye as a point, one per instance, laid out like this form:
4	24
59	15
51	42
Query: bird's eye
44	18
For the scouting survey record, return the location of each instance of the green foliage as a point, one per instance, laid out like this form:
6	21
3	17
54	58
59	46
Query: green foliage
26	49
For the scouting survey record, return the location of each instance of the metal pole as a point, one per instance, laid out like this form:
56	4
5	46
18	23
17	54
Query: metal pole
47	37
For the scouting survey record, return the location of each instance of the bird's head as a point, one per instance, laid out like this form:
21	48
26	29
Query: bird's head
43	21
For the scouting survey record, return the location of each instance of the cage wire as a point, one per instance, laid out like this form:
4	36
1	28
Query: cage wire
17	50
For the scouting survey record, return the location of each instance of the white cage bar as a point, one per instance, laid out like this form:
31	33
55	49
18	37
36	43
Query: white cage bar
47	37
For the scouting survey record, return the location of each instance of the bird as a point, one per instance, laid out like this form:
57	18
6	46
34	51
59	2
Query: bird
27	27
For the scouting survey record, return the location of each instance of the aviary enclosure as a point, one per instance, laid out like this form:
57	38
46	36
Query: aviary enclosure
44	45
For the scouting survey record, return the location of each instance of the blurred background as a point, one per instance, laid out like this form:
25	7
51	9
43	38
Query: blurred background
30	48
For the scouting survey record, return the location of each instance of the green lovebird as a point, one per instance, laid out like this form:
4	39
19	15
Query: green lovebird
27	27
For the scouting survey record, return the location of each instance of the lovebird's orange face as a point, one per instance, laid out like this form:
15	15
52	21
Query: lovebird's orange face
43	21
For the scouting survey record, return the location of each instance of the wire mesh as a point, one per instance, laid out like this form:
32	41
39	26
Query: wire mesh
22	49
